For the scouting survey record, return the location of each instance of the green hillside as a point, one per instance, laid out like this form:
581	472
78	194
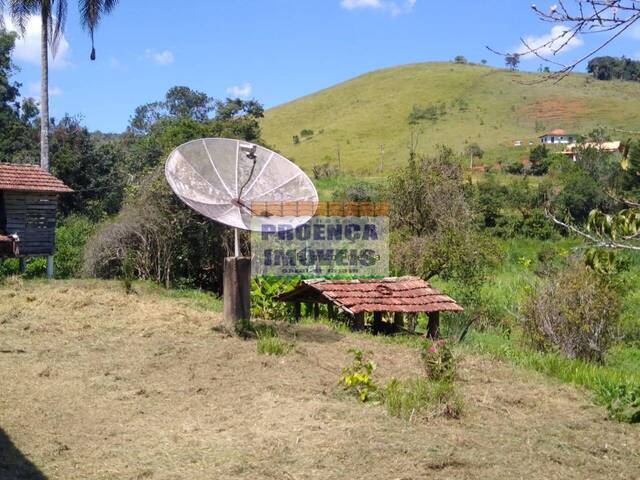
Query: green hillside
492	107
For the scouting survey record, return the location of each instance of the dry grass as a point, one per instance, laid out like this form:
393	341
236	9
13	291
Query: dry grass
97	384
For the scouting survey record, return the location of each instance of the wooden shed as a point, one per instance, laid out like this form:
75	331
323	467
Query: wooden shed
28	207
402	296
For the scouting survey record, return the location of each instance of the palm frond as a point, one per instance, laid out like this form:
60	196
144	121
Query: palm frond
56	24
20	10
91	12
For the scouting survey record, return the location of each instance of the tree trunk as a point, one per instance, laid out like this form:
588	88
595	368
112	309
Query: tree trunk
44	95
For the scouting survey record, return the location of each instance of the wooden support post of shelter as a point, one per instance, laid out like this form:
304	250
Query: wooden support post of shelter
296	311
433	326
316	311
398	320
236	293
331	311
358	321
377	326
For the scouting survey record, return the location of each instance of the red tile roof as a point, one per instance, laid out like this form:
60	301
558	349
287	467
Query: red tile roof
393	294
30	178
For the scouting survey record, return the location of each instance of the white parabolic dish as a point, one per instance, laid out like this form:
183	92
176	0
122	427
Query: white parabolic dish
224	180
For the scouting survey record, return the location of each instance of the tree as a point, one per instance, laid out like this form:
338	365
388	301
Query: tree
538	158
433	221
154	233
184	102
18	137
460	59
610	68
512	60
473	151
53	15
95	172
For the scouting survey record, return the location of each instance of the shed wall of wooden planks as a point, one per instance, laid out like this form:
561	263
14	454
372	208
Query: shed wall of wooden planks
32	215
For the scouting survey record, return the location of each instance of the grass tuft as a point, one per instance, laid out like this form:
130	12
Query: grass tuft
420	397
269	343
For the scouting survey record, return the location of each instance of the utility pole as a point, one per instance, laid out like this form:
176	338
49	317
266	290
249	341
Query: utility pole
339	160
381	157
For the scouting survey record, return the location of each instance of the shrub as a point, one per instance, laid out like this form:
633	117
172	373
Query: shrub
268	342
438	360
264	304
324	170
622	402
359	191
537	225
514	168
8	267
71	237
431	112
575	312
165	241
357	378
306	132
420	397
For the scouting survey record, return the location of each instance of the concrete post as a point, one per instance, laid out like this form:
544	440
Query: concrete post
236	293
50	267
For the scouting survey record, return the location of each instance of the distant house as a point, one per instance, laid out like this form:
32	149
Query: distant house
611	147
557	136
517	143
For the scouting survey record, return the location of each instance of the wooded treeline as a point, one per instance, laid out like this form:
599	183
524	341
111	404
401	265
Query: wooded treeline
614	68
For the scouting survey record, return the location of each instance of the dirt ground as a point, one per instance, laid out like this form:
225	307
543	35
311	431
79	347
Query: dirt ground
96	384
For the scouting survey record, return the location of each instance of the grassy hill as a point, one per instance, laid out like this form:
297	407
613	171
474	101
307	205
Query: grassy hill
492	107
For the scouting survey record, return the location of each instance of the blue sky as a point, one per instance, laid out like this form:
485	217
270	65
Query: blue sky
271	50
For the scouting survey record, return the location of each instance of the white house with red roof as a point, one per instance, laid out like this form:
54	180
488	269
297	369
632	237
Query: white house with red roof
556	136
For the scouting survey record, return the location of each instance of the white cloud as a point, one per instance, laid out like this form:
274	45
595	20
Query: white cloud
242	91
353	4
550	42
394	8
28	45
165	57
34	90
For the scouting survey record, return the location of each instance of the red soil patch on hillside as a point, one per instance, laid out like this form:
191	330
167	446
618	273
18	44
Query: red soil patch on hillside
554	108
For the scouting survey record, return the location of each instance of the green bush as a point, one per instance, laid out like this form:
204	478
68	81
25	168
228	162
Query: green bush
71	237
438	360
358	191
9	267
264	304
622	402
357	377
514	168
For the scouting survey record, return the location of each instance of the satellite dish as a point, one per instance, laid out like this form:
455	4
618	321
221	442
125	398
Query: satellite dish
238	183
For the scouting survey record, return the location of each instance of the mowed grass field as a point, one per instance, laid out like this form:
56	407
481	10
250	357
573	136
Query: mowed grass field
492	107
98	384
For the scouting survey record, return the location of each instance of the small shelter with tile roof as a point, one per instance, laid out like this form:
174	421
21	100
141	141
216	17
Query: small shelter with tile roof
28	207
357	297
